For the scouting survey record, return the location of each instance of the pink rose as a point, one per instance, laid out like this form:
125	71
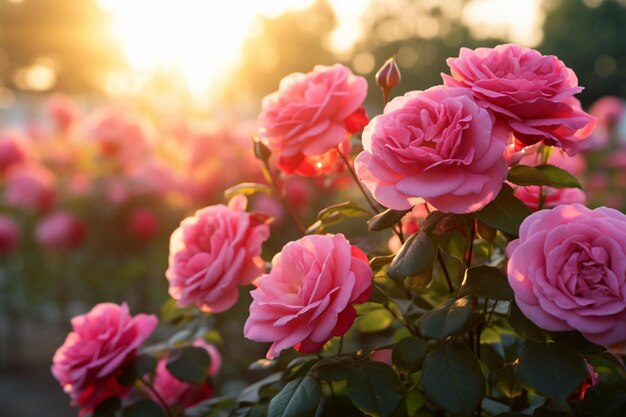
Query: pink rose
119	136
93	354
307	297
310	115
531	95
609	110
437	146
9	234
14	150
178	393
214	252
568	271
60	231
30	187
143	224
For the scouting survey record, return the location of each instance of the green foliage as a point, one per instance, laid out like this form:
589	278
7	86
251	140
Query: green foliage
143	408
299	398
450	318
409	353
452	378
506	212
415	256
386	219
554	370
189	364
548	175
487	281
246	188
375	389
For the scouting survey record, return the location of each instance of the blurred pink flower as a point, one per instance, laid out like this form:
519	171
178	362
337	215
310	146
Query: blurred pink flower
307	297
531	95
93	354
177	393
436	146
567	271
63	111
15	149
609	111
143	223
60	231
310	115
214	252
9	234
119	135
30	187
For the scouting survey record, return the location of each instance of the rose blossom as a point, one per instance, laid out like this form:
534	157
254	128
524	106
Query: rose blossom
214	252
101	343
609	110
310	115
63	111
60	231
9	234
307	297
14	149
30	187
568	271
437	146
531	95
178	393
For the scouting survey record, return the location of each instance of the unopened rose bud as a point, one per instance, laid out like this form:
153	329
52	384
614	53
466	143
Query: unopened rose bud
388	76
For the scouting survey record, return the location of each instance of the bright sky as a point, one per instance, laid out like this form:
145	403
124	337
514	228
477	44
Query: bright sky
202	39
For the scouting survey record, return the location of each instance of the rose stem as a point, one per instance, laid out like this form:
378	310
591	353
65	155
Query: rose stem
356	180
158	397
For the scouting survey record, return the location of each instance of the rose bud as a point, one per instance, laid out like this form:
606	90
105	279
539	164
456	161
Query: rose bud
388	77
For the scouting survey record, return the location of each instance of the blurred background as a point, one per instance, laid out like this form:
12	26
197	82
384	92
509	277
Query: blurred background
118	118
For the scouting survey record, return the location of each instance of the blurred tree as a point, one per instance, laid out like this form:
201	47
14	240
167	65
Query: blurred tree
589	36
295	41
69	37
422	34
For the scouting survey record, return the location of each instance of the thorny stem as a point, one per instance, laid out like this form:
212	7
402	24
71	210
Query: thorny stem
445	271
356	180
279	194
157	396
470	251
340	345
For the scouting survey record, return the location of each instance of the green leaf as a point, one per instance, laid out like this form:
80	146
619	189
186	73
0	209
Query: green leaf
548	175
170	313
452	378
577	341
386	219
252	393
205	407
299	398
554	370
505	213
374	321
262	365
523	326
246	188
142	364
487	281
447	319
440	224
346	209
107	408
409	353
374	388
507	383
189	364
415	256
379	262
143	408
335	368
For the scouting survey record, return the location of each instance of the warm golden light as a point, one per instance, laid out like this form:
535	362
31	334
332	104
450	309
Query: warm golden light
200	40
